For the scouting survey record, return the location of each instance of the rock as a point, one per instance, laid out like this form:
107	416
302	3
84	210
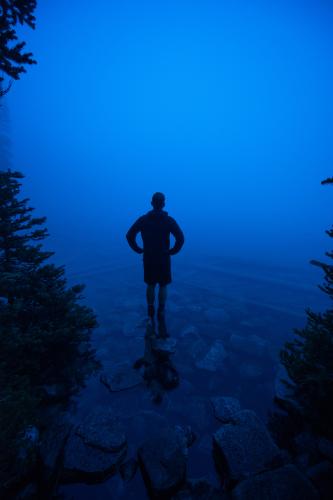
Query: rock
87	464
217	315
199	489
225	407
29	492
122	377
164	346
147	423
101	429
189	330
51	450
94	449
128	469
194	345
321	475
252	345
305	442
325	447
163	461
244	447
284	483
214	359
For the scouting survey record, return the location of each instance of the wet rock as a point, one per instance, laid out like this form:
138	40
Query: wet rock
284	483
147	423
321	475
163	461
189	330
164	346
101	429
199	489
94	449
325	447
128	469
225	407
217	315
244	447
29	492
87	464
51	450
214	359
121	377
194	345
252	345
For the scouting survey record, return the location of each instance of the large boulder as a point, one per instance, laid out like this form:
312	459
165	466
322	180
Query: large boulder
94	449
163	461
244	447
284	483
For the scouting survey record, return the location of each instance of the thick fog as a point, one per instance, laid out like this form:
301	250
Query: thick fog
226	107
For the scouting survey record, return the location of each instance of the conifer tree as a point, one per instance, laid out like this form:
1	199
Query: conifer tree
12	55
44	330
309	359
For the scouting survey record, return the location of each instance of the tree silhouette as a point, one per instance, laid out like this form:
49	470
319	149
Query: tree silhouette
44	330
309	359
12	55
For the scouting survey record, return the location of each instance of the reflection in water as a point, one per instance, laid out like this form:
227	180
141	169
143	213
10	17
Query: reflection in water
157	368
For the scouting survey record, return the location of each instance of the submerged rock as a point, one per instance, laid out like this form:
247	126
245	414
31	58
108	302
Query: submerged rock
250	370
121	377
284	483
252	345
214	359
163	461
164	346
244	447
217	315
225	407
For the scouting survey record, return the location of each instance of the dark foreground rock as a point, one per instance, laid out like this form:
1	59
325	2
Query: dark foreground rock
94	449
225	408
121	377
284	483
163	461
199	489
51	450
244	447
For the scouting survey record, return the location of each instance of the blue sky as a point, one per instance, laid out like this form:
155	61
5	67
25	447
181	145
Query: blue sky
224	106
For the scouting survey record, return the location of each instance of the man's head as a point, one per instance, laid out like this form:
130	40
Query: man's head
158	201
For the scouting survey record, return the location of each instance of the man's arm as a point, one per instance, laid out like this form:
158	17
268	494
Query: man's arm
132	234
179	237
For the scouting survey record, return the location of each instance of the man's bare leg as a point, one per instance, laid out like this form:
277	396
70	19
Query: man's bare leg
150	294
162	296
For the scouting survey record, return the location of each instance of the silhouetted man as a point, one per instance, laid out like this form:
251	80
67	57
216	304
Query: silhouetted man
155	228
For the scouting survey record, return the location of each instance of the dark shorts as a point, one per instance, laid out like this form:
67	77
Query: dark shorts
157	269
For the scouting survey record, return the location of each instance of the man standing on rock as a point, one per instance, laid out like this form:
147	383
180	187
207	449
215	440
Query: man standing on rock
155	228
